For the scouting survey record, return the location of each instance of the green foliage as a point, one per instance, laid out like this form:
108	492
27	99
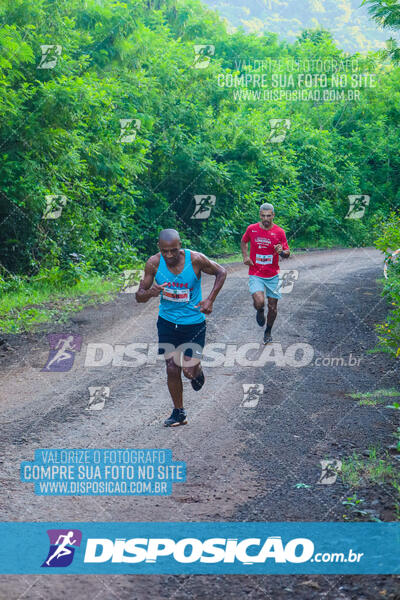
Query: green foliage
49	296
387	14
388	241
60	136
377	470
396	435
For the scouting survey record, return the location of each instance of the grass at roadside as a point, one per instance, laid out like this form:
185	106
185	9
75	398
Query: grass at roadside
374	398
230	258
379	469
30	304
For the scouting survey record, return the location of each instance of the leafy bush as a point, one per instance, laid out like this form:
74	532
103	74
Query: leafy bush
388	242
60	136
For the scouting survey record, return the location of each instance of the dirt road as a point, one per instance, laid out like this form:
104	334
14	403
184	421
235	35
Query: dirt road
243	464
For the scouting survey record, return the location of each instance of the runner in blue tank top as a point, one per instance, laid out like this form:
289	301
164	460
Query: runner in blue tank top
174	274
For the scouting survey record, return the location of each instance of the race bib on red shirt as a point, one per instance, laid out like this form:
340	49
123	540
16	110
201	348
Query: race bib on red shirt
264	259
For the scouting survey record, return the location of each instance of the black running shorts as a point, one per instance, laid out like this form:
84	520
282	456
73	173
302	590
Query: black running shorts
191	338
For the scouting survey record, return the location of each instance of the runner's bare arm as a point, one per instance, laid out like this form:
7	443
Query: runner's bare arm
147	288
244	249
211	268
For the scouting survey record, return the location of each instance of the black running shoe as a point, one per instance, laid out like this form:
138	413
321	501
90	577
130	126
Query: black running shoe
260	317
178	417
267	337
198	383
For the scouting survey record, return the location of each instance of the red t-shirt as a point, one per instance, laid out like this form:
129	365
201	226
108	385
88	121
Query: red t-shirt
262	253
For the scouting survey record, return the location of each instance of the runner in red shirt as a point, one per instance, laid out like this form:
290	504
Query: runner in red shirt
267	243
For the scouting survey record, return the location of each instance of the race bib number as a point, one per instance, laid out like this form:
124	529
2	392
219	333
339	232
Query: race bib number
176	295
264	259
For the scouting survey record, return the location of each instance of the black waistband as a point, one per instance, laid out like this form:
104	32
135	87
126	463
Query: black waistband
181	326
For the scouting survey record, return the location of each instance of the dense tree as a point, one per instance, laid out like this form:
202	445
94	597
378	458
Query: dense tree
387	14
103	106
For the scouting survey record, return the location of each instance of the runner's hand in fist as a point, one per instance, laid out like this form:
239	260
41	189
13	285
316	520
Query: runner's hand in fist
156	289
206	306
248	262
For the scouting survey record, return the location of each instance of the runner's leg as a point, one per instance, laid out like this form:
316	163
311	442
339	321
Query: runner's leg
195	374
192	351
174	380
259	305
272	312
192	371
259	300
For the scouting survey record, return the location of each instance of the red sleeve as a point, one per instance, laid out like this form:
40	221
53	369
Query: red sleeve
246	237
285	245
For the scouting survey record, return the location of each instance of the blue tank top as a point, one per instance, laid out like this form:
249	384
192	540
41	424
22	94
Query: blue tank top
180	296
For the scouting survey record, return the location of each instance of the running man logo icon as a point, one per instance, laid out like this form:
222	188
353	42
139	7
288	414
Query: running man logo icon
50	56
129	128
98	397
279	129
63	543
204	205
357	206
330	470
202	55
54	206
287	280
62	352
252	392
132	278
